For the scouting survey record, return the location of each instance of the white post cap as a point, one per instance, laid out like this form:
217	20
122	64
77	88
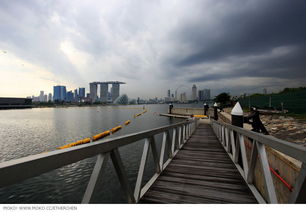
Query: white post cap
237	110
215	105
205	103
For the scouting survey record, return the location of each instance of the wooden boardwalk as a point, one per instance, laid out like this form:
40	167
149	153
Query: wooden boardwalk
201	172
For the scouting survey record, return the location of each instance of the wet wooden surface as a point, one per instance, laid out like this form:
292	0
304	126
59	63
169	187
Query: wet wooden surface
201	172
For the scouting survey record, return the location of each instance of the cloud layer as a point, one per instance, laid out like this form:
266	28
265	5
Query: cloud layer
236	46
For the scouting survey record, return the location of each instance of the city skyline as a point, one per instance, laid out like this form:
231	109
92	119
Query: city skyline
236	47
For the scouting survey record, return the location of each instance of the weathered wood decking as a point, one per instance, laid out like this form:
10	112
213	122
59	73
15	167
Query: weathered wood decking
201	172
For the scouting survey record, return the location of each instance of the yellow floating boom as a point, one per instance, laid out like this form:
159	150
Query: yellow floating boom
83	141
127	122
101	135
200	116
115	129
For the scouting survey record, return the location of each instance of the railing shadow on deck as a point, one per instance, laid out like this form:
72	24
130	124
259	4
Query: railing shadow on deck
234	141
15	171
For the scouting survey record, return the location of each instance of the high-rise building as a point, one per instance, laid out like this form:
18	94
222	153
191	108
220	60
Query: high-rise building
75	95
50	97
93	91
168	94
201	95
183	97
204	94
41	96
104	92
82	92
115	91
194	92
69	96
59	93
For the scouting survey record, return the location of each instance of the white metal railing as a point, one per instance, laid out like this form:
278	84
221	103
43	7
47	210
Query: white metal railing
233	141
15	171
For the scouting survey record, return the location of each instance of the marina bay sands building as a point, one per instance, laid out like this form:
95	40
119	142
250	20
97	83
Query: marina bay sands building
115	90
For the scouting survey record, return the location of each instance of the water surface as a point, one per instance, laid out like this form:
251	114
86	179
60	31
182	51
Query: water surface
33	131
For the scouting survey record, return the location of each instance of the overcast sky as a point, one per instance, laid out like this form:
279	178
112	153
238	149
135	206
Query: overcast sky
236	46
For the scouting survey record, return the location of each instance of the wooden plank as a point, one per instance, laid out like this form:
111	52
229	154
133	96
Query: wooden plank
200	191
168	172
237	187
162	197
203	163
201	172
205	172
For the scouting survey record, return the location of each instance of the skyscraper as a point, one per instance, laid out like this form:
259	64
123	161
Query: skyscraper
168	93
69	96
201	95
59	93
76	95
183	97
82	92
104	92
93	91
50	97
41	96
194	92
115	91
206	93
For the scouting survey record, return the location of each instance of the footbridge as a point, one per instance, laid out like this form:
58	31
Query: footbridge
199	161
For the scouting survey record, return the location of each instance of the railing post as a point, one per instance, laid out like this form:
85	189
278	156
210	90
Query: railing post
184	133
299	191
162	151
143	161
267	173
123	179
155	155
95	177
180	136
252	163
169	144
173	141
243	155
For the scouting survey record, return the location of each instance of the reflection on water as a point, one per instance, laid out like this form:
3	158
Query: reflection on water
28	132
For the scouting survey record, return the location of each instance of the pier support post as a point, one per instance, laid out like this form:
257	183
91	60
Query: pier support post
215	111
170	108
205	108
237	115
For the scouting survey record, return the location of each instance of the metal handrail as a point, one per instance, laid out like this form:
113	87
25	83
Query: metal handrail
14	171
232	138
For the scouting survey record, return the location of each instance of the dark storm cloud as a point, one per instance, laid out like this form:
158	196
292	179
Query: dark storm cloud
287	66
166	43
248	28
